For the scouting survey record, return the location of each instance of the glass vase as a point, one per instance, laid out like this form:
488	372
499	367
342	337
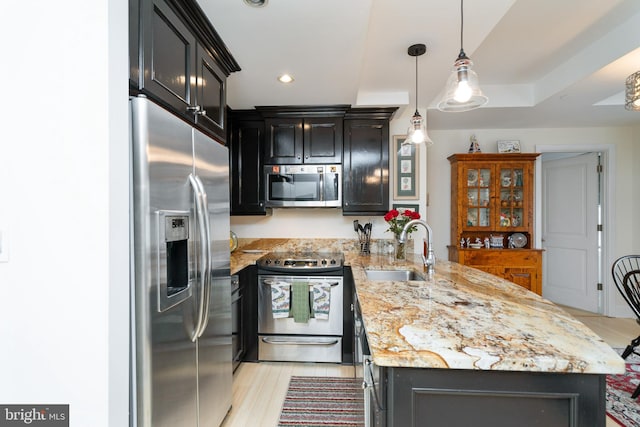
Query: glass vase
401	248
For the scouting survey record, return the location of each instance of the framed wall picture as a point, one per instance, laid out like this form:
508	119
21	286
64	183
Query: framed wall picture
401	207
509	146
405	169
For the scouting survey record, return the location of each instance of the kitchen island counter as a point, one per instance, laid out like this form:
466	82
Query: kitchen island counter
464	347
463	318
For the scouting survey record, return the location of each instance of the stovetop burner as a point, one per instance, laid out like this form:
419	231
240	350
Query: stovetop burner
301	262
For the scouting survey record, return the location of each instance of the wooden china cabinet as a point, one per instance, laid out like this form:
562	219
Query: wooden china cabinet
492	204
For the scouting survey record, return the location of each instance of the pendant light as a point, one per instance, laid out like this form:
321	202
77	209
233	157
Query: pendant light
632	92
462	90
417	132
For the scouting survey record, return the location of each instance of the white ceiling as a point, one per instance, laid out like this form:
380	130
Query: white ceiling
542	63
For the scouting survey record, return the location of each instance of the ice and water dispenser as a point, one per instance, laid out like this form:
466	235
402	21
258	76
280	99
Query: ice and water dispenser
174	281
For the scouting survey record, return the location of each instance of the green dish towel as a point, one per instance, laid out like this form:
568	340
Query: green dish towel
300	302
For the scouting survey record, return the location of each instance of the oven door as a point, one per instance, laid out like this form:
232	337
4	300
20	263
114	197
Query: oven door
286	325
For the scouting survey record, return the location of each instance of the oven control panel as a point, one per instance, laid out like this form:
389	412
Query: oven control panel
285	261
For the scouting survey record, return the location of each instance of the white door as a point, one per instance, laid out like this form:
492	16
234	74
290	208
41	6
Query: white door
570	199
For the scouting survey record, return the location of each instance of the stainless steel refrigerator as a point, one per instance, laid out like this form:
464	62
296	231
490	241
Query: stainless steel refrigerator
181	293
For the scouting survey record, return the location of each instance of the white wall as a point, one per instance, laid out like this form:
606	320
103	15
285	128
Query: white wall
64	63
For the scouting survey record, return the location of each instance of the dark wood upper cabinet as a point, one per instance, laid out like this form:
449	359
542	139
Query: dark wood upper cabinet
168	58
210	92
322	140
277	135
284	141
181	62
307	134
245	147
365	165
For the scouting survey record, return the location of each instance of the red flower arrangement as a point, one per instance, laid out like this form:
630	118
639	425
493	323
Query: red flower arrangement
397	220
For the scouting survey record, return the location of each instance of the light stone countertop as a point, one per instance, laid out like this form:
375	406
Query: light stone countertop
460	318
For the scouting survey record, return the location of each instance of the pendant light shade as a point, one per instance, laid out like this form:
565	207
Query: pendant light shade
462	92
417	132
632	92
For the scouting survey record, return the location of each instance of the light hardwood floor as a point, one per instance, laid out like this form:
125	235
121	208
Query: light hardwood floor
259	388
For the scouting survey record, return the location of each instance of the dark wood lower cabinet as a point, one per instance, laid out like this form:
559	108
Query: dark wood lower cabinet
456	398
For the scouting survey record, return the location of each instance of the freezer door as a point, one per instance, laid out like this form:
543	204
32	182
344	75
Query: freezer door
214	346
164	370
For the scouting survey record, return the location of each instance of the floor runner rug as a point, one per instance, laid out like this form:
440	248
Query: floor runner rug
620	406
323	402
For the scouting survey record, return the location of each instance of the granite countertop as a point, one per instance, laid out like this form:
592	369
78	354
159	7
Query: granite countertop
460	318
463	318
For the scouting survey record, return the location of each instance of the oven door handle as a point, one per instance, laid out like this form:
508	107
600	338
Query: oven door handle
270	282
292	341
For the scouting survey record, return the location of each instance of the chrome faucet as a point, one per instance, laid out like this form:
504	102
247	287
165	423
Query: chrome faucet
430	260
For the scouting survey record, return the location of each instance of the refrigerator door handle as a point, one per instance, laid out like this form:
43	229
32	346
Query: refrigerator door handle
204	254
207	283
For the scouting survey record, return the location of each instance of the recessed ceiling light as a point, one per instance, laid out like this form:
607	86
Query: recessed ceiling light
285	78
256	3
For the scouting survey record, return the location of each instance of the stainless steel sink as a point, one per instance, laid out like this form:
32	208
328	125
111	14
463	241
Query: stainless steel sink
394	275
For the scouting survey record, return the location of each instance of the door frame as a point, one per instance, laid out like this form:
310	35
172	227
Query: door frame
607	305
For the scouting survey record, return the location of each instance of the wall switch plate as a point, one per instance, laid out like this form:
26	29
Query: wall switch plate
4	246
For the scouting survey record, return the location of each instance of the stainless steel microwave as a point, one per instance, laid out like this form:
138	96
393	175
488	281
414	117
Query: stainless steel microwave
303	185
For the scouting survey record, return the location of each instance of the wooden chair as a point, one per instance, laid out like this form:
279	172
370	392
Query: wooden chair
626	276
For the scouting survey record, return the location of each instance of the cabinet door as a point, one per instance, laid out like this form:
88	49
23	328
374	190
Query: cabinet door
513	184
210	93
523	276
476	203
247	191
365	167
283	143
322	140
169	57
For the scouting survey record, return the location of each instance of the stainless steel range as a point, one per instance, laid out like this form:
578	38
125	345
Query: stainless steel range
300	307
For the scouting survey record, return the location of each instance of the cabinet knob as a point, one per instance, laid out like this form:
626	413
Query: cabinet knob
298	157
306	157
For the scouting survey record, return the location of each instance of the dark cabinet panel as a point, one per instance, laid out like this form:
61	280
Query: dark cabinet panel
284	141
169	52
237	322
348	317
245	146
365	185
210	93
249	281
134	42
322	140
422	397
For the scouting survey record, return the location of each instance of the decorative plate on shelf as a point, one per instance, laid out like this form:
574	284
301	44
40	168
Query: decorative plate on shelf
472	177
519	240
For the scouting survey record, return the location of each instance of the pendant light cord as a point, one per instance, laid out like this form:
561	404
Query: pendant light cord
461	22
416	84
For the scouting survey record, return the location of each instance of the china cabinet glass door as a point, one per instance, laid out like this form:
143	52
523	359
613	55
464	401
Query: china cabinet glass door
512	200
479	197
